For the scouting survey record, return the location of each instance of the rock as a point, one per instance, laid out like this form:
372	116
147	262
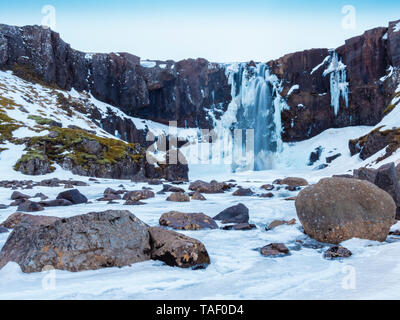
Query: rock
110	191
133	203
241	192
212	187
169	188
110	197
267	187
337	209
332	158
267	195
274	249
292	188
315	156
55	203
235	214
187	221
178	197
3	206
29	206
198	196
154	182
277	223
337	252
292	181
137	195
290	199
41	196
84	242
16	195
239	226
3	230
32	220
34	165
176	249
73	196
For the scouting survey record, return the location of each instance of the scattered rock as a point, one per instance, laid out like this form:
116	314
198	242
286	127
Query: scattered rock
3	206
198	196
267	187
29	206
33	220
134	203
277	223
56	203
16	195
274	249
239	226
212	187
178	197
241	192
110	197
267	195
292	181
137	195
73	196
154	182
315	156
176	249
187	221
337	209
3	230
337	252
332	158
41	196
235	214
84	242
292	188
290	199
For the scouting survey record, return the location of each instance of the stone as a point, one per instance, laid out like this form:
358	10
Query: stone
73	196
29	206
292	181
41	196
239	226
55	203
235	214
337	252
110	197
187	221
277	223
84	242
267	195
267	187
241	192
137	195
198	196
134	203
178	197
16	195
176	249
274	249
32	220
332	158
212	187
338	209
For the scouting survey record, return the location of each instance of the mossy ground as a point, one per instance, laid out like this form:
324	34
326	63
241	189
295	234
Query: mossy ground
7	124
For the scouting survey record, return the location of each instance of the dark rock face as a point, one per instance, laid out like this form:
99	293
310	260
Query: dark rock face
187	221
84	242
74	196
338	209
176	249
35	166
31	220
179	91
234	214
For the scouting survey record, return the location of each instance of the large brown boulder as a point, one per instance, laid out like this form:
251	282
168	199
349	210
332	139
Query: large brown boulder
337	209
177	249
292	182
211	187
84	242
179	197
187	221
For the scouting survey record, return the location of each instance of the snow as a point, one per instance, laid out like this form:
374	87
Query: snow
320	65
293	88
237	270
396	27
148	64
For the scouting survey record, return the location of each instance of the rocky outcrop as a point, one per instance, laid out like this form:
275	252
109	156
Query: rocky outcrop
180	91
337	209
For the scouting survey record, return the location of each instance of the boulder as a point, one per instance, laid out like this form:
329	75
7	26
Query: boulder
274	249
110	197
55	203
241	192
187	221
134	203
239	226
33	220
178	197
29	206
73	196
292	181
137	195
84	242
235	214
267	195
337	209
267	187
177	249
198	196
41	196
16	195
212	187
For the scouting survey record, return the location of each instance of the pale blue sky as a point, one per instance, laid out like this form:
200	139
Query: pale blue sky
221	31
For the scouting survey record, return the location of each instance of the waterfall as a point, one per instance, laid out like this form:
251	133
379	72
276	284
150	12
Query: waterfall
338	84
253	116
